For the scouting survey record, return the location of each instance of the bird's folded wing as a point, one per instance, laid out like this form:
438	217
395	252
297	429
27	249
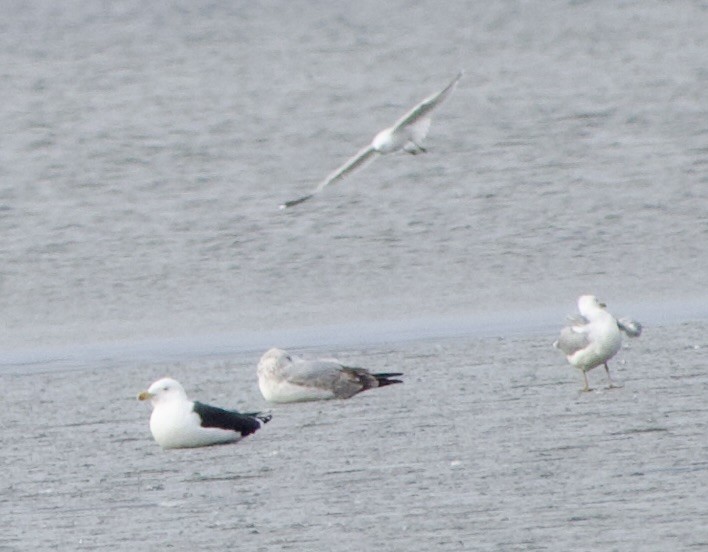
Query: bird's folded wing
320	374
212	416
427	105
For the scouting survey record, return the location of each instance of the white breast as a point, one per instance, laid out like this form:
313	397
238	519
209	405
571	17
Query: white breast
178	426
284	391
388	141
605	341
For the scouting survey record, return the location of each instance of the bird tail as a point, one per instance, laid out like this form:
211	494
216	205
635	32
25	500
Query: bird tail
387	378
264	417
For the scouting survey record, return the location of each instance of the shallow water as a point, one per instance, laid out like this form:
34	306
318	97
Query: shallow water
146	149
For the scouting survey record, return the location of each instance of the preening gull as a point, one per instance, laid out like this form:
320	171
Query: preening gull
406	134
283	378
177	422
594	337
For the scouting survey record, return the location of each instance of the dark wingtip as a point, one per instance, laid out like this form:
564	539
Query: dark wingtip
631	327
264	417
294	202
388	378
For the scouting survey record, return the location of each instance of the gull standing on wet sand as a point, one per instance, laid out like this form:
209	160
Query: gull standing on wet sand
283	378
406	134
594	337
177	422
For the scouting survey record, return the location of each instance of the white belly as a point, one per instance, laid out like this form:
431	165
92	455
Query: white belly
597	353
284	391
170	431
388	141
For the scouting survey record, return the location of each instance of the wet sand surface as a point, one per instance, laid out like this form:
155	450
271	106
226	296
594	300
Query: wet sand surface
488	445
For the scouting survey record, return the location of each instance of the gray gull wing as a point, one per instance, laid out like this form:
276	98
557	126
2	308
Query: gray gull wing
343	381
572	339
419	114
364	156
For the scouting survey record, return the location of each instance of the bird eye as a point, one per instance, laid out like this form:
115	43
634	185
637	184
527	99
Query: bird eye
165	388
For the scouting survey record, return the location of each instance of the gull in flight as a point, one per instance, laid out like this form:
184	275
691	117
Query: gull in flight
594	337
177	422
406	134
283	378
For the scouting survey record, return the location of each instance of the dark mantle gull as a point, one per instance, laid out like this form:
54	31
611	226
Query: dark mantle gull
177	422
284	378
594	337
406	134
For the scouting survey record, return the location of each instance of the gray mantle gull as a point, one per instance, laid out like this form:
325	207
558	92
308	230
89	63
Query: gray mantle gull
406	134
284	378
177	422
594	337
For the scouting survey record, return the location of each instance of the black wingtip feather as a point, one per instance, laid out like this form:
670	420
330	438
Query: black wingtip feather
387	378
264	417
294	202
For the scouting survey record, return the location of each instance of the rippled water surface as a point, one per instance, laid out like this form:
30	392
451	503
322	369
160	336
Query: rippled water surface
145	150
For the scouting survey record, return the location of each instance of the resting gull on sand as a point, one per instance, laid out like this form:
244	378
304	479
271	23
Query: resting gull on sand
177	422
594	337
283	378
406	134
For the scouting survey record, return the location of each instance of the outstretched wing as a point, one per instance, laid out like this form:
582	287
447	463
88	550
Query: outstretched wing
572	339
297	201
631	327
417	118
576	320
419	130
360	159
421	110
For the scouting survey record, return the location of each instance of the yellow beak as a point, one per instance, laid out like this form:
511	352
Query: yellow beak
145	396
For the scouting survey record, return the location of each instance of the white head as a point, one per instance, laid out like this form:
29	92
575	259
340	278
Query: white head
589	305
164	390
273	359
